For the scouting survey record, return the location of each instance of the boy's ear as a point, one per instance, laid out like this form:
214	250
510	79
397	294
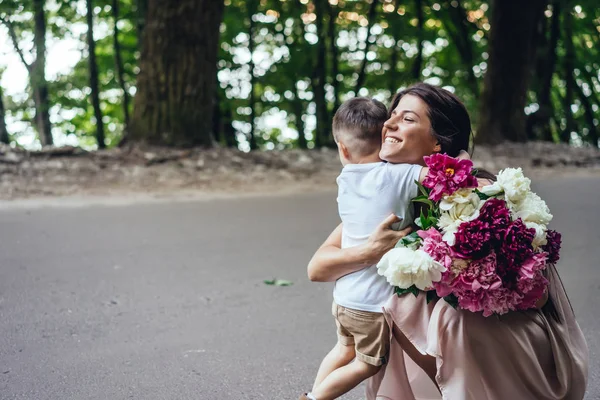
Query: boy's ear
344	150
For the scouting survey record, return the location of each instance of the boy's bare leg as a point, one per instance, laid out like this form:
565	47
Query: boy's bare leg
339	356
344	379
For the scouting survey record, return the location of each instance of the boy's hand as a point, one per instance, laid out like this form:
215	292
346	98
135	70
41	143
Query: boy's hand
383	239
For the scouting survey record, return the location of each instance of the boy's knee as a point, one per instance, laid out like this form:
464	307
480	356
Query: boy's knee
346	352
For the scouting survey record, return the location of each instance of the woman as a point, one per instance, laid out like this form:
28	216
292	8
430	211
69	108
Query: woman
456	354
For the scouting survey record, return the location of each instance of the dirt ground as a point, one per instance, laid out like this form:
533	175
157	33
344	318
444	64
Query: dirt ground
163	172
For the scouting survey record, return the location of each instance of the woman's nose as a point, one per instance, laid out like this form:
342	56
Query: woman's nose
390	125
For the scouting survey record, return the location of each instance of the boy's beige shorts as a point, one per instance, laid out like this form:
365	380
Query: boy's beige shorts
367	331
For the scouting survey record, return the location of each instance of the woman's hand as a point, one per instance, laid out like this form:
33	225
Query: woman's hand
383	239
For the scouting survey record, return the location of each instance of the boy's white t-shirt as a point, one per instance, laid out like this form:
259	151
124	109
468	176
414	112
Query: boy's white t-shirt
367	194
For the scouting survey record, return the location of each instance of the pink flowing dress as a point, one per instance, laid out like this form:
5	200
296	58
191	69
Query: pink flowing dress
519	355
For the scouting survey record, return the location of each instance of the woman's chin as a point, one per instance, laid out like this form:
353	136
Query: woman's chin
391	152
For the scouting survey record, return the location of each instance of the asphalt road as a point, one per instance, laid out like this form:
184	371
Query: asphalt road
167	301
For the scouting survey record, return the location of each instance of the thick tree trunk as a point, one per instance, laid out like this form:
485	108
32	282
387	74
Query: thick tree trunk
93	65
511	44
322	137
569	66
251	6
332	10
38	76
141	11
178	65
418	63
360	81
119	65
538	123
3	132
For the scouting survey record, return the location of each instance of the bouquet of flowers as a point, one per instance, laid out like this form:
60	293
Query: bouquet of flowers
479	249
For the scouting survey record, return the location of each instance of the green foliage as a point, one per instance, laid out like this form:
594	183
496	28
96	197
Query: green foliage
453	39
412	289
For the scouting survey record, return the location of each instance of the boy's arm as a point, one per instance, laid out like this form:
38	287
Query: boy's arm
331	262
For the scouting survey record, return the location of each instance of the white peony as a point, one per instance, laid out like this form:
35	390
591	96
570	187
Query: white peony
463	202
532	209
462	206
512	182
404	267
540	234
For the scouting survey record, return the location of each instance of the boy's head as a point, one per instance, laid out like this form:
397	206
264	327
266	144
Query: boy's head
357	126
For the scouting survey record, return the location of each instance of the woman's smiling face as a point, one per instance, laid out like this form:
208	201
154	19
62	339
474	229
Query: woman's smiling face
406	135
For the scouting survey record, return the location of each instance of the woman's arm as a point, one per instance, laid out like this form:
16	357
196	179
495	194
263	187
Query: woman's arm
331	262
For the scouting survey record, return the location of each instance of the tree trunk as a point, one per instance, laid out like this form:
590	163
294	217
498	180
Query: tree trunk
38	76
251	9
511	44
93	65
538	123
298	113
418	63
318	80
176	84
360	81
592	135
141	12
119	65
3	132
335	84
569	66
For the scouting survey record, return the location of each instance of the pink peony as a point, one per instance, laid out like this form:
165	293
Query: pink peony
553	247
533	290
435	246
447	175
480	274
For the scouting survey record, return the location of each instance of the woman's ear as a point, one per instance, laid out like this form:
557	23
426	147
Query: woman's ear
437	148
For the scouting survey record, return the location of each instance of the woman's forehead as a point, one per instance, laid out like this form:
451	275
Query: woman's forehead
411	103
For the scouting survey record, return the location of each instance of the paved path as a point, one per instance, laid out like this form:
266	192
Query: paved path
166	301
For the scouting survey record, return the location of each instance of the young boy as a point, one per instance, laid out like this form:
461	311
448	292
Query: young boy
369	190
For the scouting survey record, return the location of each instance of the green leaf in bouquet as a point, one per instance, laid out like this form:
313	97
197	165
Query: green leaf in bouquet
431	296
421	199
482	196
422	189
411	240
452	300
412	289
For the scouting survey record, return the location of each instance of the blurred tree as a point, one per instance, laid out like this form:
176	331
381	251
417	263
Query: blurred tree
119	70
176	83
3	132
251	9
93	70
360	81
37	67
319	78
511	44
538	122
